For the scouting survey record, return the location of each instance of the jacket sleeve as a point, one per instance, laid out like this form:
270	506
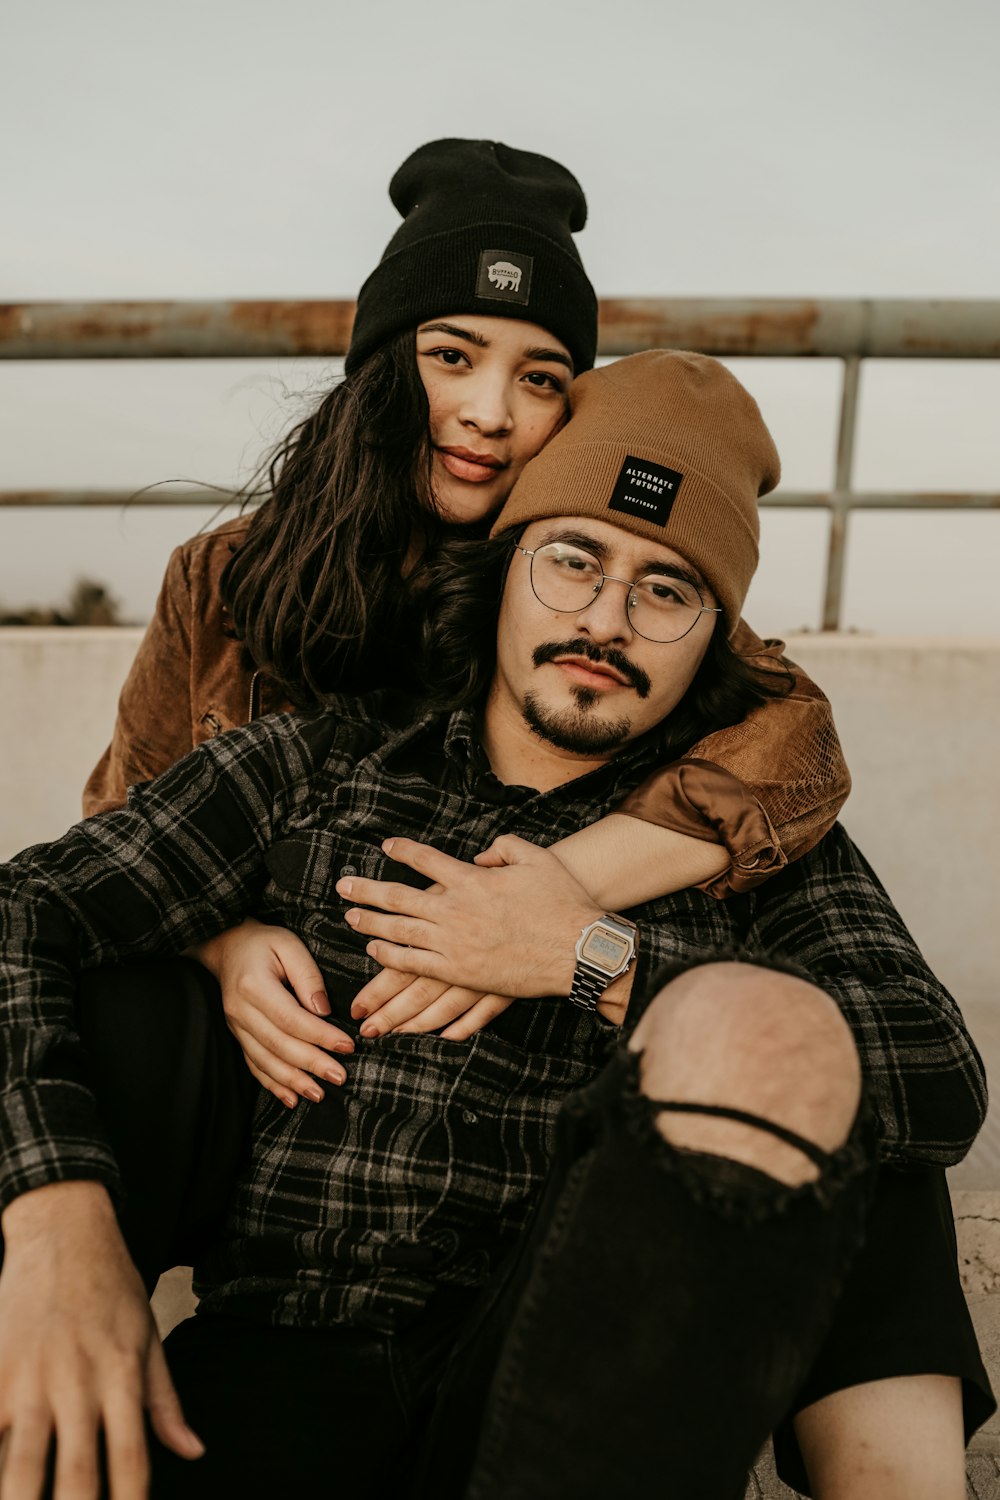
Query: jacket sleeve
830	916
153	727
183	860
768	787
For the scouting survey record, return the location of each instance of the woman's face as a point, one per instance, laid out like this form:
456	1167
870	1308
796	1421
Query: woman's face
497	390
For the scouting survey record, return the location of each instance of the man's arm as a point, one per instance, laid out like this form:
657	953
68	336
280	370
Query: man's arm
183	860
924	1078
78	1349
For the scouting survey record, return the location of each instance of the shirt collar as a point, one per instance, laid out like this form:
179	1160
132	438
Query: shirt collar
463	747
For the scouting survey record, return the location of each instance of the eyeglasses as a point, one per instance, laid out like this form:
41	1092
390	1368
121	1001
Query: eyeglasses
660	607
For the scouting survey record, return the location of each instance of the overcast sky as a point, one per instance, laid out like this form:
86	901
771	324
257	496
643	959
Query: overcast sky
209	148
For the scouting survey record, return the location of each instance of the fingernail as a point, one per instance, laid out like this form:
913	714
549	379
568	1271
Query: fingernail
288	1100
335	1075
369	1029
193	1443
352	917
345	887
388	845
359	1011
371	948
315	1093
320	1001
345	1046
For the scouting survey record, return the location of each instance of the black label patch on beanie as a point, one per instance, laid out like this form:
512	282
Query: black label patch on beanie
646	490
505	276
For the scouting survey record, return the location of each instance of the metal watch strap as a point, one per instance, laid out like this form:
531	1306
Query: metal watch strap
587	988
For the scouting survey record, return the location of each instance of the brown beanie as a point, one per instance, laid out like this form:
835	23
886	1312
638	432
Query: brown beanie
667	445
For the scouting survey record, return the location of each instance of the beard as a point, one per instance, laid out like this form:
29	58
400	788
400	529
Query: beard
575	729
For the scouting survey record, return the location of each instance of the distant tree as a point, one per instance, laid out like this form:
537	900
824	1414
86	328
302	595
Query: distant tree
89	603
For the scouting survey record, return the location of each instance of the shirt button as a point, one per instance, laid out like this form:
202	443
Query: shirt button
348	870
470	1117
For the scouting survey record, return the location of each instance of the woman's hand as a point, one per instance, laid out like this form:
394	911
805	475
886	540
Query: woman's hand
273	996
510	929
394	1001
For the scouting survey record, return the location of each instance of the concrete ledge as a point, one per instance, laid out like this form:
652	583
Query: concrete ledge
173	1300
59	688
920	721
977	1225
919	718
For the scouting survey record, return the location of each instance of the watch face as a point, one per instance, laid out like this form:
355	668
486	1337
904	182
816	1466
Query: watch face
605	949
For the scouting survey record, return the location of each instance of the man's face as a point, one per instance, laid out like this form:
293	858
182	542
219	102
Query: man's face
583	678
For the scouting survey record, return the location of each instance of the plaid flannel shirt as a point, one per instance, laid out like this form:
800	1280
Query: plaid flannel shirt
422	1169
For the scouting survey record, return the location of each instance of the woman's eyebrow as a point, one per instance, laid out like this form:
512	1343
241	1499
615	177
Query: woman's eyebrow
456	333
554	356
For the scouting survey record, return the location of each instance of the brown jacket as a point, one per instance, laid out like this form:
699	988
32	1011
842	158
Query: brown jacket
768	787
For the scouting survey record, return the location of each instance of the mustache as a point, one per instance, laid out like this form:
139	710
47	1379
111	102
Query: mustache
610	655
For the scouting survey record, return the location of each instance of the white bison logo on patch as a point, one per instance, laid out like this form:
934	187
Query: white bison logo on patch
504	276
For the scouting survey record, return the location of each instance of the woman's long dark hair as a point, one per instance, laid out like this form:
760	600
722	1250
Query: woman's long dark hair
317	586
464	587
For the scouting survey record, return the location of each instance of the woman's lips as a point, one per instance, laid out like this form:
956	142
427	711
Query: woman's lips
463	464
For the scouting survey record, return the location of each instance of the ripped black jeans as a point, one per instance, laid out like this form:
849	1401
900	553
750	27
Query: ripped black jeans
663	1313
658	1319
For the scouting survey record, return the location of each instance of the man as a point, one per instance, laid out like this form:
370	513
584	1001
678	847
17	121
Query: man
682	1283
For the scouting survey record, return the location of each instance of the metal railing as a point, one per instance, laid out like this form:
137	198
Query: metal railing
850	330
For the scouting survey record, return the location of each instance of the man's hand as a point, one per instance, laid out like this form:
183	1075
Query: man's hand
510	929
79	1351
393	1001
274	998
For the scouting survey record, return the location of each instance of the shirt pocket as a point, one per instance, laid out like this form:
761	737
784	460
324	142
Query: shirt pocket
304	867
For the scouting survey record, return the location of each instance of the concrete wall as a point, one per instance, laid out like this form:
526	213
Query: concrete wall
920	721
58	693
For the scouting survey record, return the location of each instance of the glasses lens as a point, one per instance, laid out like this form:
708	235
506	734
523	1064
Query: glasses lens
662	608
564	577
568	578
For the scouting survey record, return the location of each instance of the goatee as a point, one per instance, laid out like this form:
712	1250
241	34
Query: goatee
574	729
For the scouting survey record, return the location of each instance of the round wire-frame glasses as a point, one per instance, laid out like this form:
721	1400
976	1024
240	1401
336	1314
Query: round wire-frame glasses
660	607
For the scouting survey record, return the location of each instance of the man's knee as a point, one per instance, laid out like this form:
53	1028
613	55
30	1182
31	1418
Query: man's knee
744	1037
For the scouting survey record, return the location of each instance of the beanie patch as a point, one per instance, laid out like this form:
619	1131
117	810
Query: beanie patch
646	490
505	276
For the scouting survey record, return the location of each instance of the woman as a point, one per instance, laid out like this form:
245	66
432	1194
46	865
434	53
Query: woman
467	337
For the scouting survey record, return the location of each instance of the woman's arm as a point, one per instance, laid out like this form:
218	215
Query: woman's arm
274	996
153	727
743	803
188	681
623	861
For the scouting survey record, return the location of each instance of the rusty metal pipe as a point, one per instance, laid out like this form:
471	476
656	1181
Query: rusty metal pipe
886	328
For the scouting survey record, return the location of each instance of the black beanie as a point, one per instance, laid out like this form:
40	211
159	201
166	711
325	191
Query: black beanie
486	229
